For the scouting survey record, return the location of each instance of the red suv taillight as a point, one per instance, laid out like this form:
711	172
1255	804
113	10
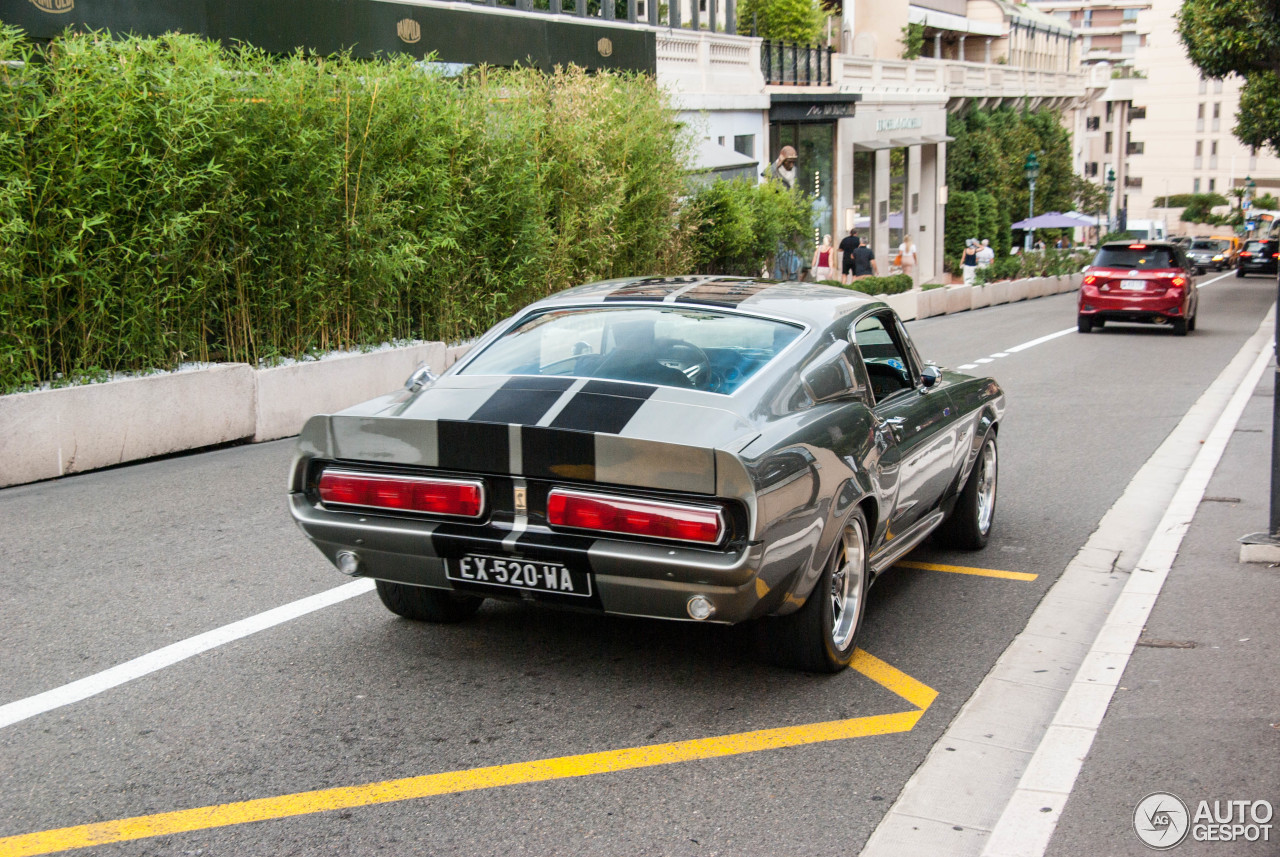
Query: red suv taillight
1091	279
458	498
634	517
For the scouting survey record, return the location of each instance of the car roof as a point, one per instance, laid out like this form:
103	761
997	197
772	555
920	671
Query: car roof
808	303
1125	245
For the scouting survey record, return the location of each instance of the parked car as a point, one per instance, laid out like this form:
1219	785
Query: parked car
1258	257
1144	282
689	448
1207	253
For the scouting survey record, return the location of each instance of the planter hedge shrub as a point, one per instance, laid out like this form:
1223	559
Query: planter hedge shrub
167	200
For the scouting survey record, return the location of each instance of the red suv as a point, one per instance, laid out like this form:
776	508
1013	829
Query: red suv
1147	282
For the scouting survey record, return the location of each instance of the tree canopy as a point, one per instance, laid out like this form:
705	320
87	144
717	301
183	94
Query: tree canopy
797	21
1225	37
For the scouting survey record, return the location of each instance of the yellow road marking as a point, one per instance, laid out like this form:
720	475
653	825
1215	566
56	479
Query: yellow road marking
324	800
959	569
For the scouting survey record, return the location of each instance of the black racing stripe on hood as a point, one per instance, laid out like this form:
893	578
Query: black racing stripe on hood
723	292
603	406
553	453
522	400
480	447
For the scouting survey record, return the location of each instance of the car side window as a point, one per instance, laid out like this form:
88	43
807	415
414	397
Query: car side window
887	363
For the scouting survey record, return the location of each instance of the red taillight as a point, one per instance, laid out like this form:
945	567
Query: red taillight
1137	246
1179	282
1246	254
1090	279
629	516
459	498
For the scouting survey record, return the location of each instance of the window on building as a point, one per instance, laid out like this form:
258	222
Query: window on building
1200	112
745	144
1088	17
1133	182
1106	143
1091	168
1217	110
1195	186
1109	107
1204	87
1217	86
1130	14
1093	123
1213	148
1134	148
1199	148
1138	113
1213	185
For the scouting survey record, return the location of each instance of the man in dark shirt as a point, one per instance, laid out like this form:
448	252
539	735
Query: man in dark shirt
864	262
848	244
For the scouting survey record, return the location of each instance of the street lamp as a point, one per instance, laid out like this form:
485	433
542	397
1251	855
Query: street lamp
1032	171
1111	187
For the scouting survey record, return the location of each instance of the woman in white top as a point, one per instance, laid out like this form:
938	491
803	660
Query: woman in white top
907	252
823	264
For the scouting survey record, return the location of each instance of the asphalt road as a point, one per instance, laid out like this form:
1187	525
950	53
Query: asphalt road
108	566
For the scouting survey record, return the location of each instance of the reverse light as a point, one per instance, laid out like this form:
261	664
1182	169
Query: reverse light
458	498
634	517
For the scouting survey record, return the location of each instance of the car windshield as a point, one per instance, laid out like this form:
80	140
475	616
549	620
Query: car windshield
671	347
1255	246
1206	245
1138	257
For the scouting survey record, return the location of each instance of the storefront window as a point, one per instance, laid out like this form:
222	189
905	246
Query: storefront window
814	143
864	170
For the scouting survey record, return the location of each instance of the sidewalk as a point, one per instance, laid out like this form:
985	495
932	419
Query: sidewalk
1197	713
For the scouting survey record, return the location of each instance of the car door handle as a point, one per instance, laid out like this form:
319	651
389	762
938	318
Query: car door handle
896	425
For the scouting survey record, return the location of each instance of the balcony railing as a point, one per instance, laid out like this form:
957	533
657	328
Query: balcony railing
785	63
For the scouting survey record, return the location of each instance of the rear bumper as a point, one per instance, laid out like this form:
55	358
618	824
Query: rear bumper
1139	308
627	578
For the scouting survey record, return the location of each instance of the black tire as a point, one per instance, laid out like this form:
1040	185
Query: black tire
1099	323
1179	327
969	525
821	636
1239	273
424	604
1084	324
1191	322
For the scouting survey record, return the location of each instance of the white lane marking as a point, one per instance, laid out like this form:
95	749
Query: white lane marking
1040	341
15	712
989	744
968	366
1024	827
1001	354
1215	279
983	360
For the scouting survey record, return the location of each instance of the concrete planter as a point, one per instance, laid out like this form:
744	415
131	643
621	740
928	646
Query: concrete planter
982	296
904	304
930	303
289	395
959	299
52	433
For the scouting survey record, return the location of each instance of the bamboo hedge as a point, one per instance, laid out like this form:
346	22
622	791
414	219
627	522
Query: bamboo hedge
167	200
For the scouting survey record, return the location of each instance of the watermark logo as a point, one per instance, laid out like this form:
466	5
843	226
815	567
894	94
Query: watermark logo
605	47
408	30
1161	821
54	7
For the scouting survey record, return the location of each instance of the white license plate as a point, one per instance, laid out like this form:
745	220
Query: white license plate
1133	285
515	573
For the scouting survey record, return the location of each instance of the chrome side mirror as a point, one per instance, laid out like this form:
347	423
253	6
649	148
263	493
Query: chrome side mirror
930	374
421	377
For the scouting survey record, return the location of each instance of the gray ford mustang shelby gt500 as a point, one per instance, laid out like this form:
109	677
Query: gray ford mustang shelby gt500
695	448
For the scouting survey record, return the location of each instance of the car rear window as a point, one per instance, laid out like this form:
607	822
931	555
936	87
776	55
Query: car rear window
671	347
1206	245
1135	257
1256	246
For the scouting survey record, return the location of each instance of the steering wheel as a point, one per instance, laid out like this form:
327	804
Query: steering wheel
685	357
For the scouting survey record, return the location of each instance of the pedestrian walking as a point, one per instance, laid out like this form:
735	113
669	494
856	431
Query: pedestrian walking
864	262
969	262
848	244
985	254
907	257
822	265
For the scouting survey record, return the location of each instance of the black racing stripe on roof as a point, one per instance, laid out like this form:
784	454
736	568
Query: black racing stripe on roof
522	400
556	453
603	406
651	289
473	446
723	293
